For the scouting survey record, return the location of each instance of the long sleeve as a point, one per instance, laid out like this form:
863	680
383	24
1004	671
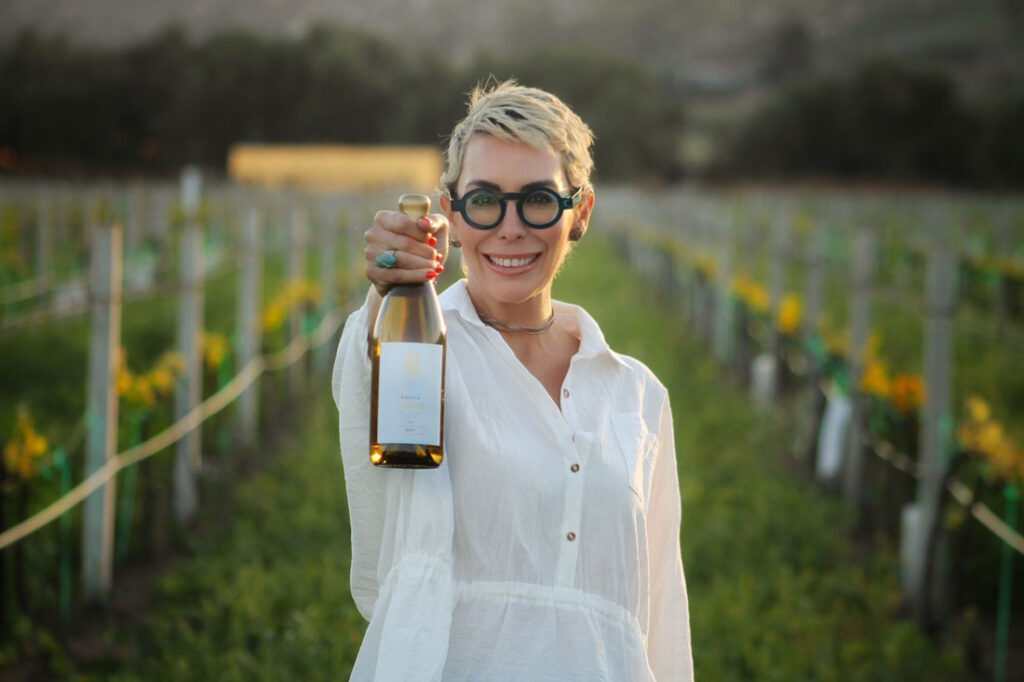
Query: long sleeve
668	638
401	577
365	487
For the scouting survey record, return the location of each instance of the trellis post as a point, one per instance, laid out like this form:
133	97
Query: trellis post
249	320
936	436
101	411
724	313
328	247
860	315
296	276
190	320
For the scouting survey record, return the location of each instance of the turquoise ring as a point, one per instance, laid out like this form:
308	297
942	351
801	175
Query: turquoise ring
386	260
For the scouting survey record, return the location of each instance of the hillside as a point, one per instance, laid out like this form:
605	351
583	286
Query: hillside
708	38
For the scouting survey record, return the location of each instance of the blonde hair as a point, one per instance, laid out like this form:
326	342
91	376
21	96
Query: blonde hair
515	113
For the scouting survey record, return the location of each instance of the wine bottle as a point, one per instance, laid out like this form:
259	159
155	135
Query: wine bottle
408	357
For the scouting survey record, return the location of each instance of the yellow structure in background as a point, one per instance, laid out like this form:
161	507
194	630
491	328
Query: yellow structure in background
336	167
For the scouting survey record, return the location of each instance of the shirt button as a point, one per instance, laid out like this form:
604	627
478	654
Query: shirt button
565	393
574	468
570	536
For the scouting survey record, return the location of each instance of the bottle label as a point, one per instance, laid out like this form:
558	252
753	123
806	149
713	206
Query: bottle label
409	393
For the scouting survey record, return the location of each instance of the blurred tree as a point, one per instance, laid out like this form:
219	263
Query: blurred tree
886	121
636	119
1015	16
1000	151
163	86
789	51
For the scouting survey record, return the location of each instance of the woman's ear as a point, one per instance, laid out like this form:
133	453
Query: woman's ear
582	218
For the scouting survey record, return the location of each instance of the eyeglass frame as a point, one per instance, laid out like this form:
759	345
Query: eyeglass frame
564	204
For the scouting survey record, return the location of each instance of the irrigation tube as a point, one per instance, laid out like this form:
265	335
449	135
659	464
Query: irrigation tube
200	413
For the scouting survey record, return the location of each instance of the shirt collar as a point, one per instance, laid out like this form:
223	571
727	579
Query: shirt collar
592	343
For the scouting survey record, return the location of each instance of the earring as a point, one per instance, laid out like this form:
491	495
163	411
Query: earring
575	234
455	243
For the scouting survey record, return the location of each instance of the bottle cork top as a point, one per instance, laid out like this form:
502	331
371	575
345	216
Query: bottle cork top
414	205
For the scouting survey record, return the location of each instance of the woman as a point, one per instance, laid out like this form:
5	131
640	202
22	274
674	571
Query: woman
546	546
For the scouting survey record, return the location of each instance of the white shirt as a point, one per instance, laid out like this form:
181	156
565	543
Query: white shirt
546	545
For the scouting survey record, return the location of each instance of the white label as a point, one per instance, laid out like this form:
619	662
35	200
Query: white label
409	393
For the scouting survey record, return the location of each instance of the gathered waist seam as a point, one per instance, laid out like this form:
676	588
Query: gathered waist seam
552	595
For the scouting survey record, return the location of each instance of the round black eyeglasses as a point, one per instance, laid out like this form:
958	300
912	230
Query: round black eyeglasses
538	208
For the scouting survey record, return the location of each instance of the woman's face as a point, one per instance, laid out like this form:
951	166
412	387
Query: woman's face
512	263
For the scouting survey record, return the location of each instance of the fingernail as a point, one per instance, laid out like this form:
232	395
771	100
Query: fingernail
440	269
432	240
431	275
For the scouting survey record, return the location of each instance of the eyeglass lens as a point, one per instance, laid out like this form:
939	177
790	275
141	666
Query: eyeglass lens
539	208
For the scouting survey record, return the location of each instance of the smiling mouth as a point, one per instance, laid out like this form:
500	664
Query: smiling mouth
516	262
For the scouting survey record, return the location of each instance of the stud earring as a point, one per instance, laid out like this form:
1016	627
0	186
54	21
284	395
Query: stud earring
575	234
455	243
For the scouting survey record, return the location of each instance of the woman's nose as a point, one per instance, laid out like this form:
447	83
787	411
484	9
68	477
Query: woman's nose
511	226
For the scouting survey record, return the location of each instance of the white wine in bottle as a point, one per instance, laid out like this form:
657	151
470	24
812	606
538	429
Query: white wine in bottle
408	358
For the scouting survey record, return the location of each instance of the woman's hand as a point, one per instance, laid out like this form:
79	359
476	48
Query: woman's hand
420	246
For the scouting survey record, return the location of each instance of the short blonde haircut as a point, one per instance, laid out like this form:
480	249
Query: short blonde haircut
515	113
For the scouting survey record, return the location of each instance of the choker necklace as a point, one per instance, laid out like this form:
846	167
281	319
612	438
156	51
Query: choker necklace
515	328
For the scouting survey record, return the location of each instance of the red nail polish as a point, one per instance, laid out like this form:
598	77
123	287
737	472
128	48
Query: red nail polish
432	240
440	269
431	275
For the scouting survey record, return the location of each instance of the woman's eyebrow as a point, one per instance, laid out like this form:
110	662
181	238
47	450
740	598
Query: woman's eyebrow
536	184
484	184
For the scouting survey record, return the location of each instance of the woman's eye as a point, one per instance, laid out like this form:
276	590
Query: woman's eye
484	200
539	198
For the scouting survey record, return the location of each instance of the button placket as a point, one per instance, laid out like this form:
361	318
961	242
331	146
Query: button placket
572	511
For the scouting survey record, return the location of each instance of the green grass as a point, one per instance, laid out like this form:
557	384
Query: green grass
776	592
775	589
266	598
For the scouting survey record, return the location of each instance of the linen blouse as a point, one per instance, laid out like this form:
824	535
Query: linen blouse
546	545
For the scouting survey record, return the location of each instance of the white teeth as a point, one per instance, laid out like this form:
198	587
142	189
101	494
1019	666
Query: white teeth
512	262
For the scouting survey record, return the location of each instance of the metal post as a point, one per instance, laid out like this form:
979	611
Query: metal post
724	323
190	321
1003	249
815	293
250	296
777	284
105	339
44	242
937	423
814	296
296	275
328	273
863	270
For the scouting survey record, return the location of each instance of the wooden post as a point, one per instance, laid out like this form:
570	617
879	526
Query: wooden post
296	275
250	330
863	270
190	326
328	274
101	444
936	426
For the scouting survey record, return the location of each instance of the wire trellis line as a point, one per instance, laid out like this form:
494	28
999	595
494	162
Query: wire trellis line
289	355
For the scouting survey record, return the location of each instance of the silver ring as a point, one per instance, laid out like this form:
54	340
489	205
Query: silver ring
386	260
